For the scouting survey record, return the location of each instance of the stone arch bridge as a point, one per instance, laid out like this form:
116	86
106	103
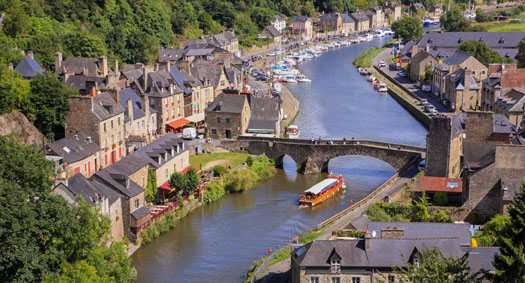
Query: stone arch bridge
314	158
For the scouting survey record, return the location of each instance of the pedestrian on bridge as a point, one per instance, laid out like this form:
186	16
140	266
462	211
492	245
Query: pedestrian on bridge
353	139
312	140
344	140
389	146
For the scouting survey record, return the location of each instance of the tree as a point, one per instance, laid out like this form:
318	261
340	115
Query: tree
510	262
261	16
428	74
408	29
151	186
420	210
83	44
440	198
49	104
482	16
492	229
521	55
433	266
454	20
192	181
15	22
308	9
177	181
482	52
249	161
41	233
13	90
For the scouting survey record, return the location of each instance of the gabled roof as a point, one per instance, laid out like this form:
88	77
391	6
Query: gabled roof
170	54
161	145
273	31
204	70
511	187
28	68
121	184
227	103
277	17
136	102
104	107
346	18
481	258
333	16
458	58
91	191
84	66
74	148
80	82
140	212
419	6
421	55
359	16
453	39
512	100
265	108
300	19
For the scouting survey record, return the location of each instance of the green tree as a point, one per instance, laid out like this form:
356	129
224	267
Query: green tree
261	16
249	161
510	262
49	104
408	29
492	229
14	90
454	20
428	74
481	51
433	266
440	199
308	9
83	44
420	210
151	186
192	181
178	182
521	55
482	16
15	22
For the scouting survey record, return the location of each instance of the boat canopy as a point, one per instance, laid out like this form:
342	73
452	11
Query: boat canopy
324	184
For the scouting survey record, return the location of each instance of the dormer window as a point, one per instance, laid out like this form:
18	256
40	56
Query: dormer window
416	262
336	266
460	40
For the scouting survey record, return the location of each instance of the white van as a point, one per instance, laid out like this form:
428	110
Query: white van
189	133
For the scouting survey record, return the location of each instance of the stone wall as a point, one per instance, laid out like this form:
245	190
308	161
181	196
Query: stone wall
115	215
233	126
479	126
438	147
140	176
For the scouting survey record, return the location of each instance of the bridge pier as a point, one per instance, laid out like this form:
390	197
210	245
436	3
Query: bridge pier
312	166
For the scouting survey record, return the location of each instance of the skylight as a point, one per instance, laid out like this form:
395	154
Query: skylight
66	149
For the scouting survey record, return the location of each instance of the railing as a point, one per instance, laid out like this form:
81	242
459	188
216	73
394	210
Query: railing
359	203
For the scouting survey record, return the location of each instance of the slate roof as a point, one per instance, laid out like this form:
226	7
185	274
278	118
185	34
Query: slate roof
273	31
316	254
300	19
453	39
418	6
179	78
277	17
118	183
170	54
458	79
512	100
458	58
442	67
104	107
265	108
346	18
256	124
412	230
91	191
79	82
28	68
502	125
128	93
203	69
361	223
406	51
160	145
74	148
333	16
227	103
77	65
220	39
140	212
510	187
481	258
359	16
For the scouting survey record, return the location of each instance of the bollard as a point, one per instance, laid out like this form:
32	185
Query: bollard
351	202
269	251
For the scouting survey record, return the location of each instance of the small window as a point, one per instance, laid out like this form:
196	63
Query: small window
227	120
416	262
118	121
213	131
104	127
391	279
219	120
314	279
338	280
222	83
143	123
356	280
111	124
136	203
336	266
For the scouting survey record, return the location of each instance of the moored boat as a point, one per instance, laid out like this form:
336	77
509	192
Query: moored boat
322	191
302	79
292	132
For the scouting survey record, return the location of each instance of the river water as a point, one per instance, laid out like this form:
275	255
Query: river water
218	242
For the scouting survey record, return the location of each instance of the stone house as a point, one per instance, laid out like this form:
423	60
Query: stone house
418	63
418	7
463	90
331	23
362	23
140	118
510	188
396	8
380	16
102	118
511	104
227	41
270	32
97	195
348	24
458	60
228	116
28	68
278	23
501	80
372	18
78	153
302	27
265	116
211	74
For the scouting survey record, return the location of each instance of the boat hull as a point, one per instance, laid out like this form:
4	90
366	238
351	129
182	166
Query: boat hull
324	195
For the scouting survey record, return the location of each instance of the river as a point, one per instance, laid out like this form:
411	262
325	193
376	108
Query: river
219	242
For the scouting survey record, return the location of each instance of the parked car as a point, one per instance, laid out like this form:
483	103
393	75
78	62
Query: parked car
433	113
402	74
426	88
424	101
189	133
429	107
381	64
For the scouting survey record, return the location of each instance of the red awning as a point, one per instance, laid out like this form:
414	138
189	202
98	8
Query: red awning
178	123
165	187
187	168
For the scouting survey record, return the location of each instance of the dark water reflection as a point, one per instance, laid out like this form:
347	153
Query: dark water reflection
218	243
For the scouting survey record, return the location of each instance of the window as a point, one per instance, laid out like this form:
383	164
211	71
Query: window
136	203
338	280
152	101
222	83
138	125
167	175
111	124
119	136
416	262
178	110
391	279
143	123
219	120
227	120
213	131
314	279
336	266
118	121
104	127
167	114
356	280
144	182
172	112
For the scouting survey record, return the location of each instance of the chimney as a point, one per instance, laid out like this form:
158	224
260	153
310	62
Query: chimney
427	47
414	50
145	106
93	91
88	139
130	110
117	95
58	62
227	62
168	66
30	54
156	67
181	44
138	65
116	70
145	77
11	66
103	65
368	239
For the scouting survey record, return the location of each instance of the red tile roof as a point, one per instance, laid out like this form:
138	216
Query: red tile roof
438	184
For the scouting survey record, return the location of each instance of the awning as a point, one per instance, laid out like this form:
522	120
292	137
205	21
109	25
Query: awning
188	168
197	117
166	187
178	123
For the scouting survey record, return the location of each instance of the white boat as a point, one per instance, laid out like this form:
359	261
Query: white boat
383	89
302	79
337	44
363	71
292	132
289	79
371	78
369	37
355	41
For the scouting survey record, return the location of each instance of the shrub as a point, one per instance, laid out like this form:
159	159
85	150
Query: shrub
219	170
241	180
440	199
383	211
213	192
249	161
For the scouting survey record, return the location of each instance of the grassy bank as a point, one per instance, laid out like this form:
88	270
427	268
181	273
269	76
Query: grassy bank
231	159
363	60
502	26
